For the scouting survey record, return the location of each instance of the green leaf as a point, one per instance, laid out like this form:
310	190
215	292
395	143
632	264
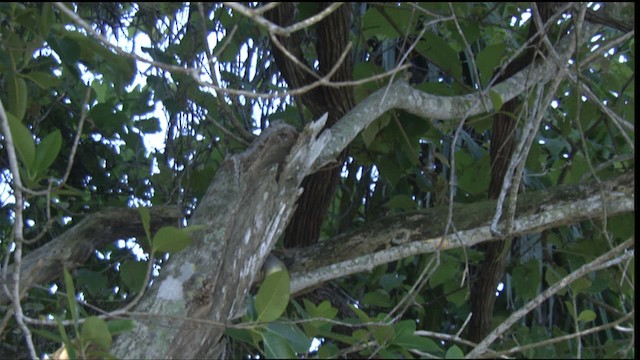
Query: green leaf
555	274
378	298
587	315
93	53
170	239
419	343
273	296
444	273
361	314
370	132
299	342
244	335
44	80
67	49
93	281
328	351
455	294
47	18
389	282
146	220
71	294
149	126
119	326
17	97
454	352
390	170
580	285
487	60
526	279
440	52
496	99
406	338
133	274
375	24
22	141
276	346
107	118
46	153
403	202
97	332
323	310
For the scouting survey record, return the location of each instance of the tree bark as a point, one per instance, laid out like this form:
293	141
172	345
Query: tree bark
332	34
489	273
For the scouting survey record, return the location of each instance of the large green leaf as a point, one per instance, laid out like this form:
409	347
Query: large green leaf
97	332
170	239
440	52
133	274
46	152
405	338
22	141
487	60
273	296
93	281
17	97
276	346
298	341
44	80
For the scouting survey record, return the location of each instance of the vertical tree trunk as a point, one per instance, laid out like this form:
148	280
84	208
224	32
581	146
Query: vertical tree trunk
491	270
332	38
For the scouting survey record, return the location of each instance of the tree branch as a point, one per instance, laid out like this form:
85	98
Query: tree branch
75	245
421	232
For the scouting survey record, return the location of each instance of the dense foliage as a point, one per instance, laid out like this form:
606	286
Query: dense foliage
83	91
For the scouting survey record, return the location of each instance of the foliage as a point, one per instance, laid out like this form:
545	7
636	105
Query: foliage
79	112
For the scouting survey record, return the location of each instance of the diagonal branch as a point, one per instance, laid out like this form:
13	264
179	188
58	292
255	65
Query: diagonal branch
420	232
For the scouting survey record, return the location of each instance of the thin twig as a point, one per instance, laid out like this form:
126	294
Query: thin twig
18	230
604	261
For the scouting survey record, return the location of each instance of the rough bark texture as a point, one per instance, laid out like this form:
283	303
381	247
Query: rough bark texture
503	138
332	37
420	232
200	289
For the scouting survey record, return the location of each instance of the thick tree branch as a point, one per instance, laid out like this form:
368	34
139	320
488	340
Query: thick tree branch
74	246
421	232
400	95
